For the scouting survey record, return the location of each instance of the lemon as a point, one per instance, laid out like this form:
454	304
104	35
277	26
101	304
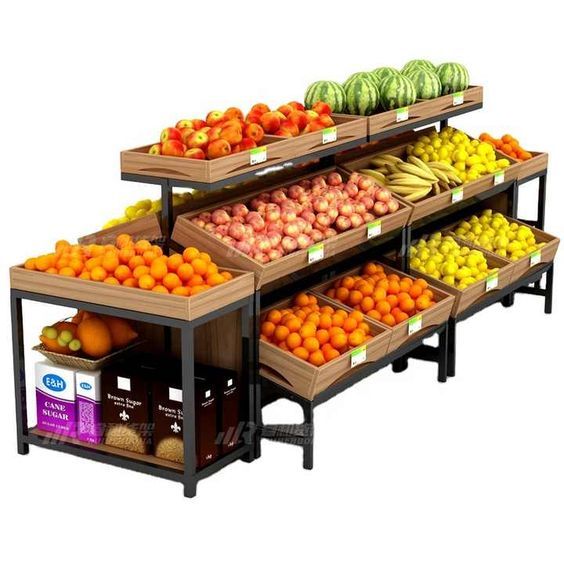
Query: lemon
449	280
130	212
430	266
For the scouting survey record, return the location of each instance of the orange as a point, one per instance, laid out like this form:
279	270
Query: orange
313	318
61	245
421	282
67	271
422	302
331	293
407	305
294	324
293	340
111	280
30	264
96	250
356	338
312	300
356	315
181	291
130	283
329	353
125	255
322	335
415	291
205	257
171	281
52	270
341	294
110	261
44	262
84	275
300	352
366	289
150	256
316	358
393	300
157	250
141	270
95	337
141	246
281	333
160	289
214	279
400	316
268	328
185	271
405	284
146	281
355	297
173	262
367	304
308	329
122	272
393	286
383	283
379	294
198	289
123	240
374	314
337	320
350	324
62	262
339	341
311	344
98	273
196	280
363	326
383	307
389	319
227	275
301	300
325	321
347	282
200	266
283	346
134	262
274	316
428	292
190	253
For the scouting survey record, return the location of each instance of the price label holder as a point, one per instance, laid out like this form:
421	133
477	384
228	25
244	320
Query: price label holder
374	229
457	195
358	356
315	253
492	281
258	155
535	258
329	135
499	177
458	99
414	324
402	114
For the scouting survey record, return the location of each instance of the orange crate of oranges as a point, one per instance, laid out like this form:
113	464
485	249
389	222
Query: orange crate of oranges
381	293
307	343
134	275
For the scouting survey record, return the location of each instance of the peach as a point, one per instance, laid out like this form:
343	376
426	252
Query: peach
260	108
283	133
173	148
234	122
311	115
198	140
184	123
198	124
247	143
218	148
297	106
185	132
170	133
285	109
298	118
326	120
291	127
155	149
271	121
232	134
214	117
233	113
195	153
253	117
322	108
254	131
214	133
236	148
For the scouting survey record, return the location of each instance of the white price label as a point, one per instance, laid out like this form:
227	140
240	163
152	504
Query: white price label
414	324
492	282
258	155
315	253
457	195
499	177
535	257
374	229
458	98
358	356
329	135
402	114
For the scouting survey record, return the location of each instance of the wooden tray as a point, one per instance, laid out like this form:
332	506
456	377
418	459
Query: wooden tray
424	109
536	165
307	380
186	233
432	204
147	227
467	297
435	315
523	265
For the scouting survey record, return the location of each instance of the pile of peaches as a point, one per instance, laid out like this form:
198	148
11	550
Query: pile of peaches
225	133
283	220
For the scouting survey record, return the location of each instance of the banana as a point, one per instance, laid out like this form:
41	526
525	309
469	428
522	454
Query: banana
442	166
405	190
384	159
407	180
374	174
418	162
444	185
392	168
436	188
415	196
441	175
412	169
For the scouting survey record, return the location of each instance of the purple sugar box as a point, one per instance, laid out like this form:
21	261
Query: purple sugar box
89	406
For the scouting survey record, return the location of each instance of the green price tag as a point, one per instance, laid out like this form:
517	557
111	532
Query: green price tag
492	281
499	177
457	195
358	356
329	135
414	324
458	98
535	257
402	114
258	155
315	253
374	229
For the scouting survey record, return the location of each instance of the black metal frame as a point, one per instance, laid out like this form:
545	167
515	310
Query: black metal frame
191	475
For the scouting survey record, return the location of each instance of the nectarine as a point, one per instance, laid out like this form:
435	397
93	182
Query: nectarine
270	121
299	118
231	134
254	131
322	108
297	106
326	120
214	133
247	143
173	148
233	113
218	148
291	127
260	108
285	109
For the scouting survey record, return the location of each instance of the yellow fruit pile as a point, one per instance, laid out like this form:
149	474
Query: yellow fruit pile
471	158
497	234
441	257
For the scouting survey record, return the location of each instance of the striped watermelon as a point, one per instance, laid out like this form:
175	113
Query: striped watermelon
417	64
426	82
381	73
361	74
397	92
361	96
453	77
327	91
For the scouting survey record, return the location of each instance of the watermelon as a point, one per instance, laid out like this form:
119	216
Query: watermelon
361	96
327	91
417	64
426	82
453	77
381	73
397	92
361	74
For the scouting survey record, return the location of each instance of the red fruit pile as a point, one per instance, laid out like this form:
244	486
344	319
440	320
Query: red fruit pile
291	119
279	222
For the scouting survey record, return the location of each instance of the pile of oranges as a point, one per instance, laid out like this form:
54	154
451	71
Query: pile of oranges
133	264
507	144
314	333
388	298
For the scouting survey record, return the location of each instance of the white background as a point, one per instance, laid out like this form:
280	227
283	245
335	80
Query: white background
406	470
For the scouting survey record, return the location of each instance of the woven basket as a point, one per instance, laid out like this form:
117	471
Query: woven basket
81	363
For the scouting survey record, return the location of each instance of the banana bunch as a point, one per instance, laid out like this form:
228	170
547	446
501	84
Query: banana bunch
412	179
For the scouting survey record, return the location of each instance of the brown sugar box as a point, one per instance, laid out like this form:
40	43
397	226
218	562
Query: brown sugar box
207	448
168	419
230	426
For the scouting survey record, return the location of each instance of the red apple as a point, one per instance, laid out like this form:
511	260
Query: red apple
222	229
195	153
180	124
364	182
320	204
206	216
356	220
393	205
351	189
220	217
262	242
288	215
380	208
274	254
383	195
289	244
214	117
309	216
316	235
275	238
173	148
155	149
304	241
199	222
170	133
330	232
333	213
343	223
346	209
261	257
354	177
243	246
210	227
334	179
239	210
368	217
237	231
291	229
198	140
255	220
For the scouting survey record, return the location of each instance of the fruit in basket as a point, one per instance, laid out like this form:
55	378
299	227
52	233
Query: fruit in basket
279	222
328	91
121	331
173	148
218	148
427	83
381	295
170	134
416	64
453	76
197	140
442	257
362	96
95	337
314	333
381	73
51	337
498	234
397	91
508	145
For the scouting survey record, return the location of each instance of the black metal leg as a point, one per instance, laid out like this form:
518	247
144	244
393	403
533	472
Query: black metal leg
451	347
19	372
548	290
258	379
400	364
513	210
166	213
508	300
541	201
443	355
403	259
249	375
444	123
189	410
308	435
